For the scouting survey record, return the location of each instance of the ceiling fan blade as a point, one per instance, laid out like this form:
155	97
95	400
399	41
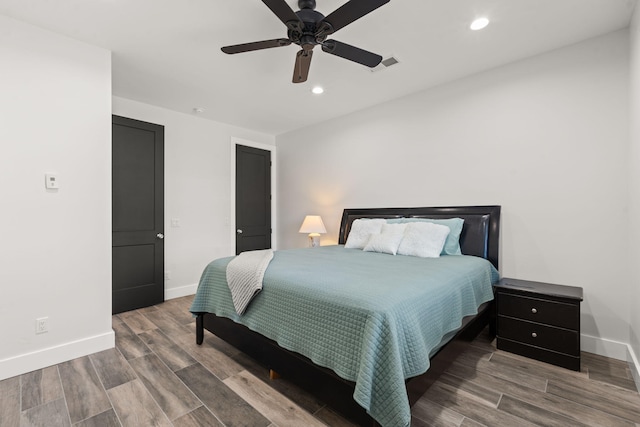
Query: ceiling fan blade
282	10
301	69
248	47
351	53
349	12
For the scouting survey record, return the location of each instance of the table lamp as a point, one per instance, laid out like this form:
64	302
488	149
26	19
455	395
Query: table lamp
313	225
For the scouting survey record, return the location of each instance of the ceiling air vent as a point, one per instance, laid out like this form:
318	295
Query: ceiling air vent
386	63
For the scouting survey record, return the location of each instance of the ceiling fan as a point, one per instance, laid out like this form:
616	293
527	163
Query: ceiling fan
308	28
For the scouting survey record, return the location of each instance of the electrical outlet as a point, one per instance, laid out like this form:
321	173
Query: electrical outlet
42	325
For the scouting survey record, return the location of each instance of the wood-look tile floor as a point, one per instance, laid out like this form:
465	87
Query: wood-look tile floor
158	376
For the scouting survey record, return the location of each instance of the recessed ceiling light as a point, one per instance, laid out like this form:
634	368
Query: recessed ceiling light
479	24
317	90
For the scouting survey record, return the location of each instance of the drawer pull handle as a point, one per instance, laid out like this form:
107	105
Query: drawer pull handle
534	335
534	311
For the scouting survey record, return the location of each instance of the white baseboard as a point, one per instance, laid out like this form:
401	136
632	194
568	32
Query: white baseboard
181	291
23	363
604	347
634	366
614	349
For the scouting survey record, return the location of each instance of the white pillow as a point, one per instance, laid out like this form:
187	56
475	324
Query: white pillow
361	230
423	239
388	240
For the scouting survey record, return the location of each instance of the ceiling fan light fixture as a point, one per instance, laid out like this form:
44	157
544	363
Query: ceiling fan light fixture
479	23
317	90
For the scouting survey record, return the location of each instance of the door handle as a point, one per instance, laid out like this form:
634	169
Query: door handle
239	231
160	236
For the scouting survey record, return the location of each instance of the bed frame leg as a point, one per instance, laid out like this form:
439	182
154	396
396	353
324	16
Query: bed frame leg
273	375
199	329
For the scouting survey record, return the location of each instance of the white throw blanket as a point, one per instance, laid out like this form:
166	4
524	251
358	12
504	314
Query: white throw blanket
244	276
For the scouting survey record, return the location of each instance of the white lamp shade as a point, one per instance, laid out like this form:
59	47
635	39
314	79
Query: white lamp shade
312	224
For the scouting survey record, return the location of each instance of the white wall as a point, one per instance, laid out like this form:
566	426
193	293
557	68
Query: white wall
197	189
634	193
546	138
55	250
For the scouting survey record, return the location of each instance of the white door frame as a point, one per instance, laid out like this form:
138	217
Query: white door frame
232	216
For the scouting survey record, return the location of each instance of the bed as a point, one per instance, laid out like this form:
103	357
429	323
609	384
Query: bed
338	322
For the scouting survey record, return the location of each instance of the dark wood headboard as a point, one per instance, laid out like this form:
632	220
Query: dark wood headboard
480	233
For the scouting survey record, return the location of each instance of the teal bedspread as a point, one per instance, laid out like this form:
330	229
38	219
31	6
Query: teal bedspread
372	318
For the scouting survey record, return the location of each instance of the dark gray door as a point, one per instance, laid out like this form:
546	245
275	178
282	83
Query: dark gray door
138	214
253	199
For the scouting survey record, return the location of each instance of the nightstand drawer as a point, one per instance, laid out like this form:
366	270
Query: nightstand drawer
541	311
538	353
536	334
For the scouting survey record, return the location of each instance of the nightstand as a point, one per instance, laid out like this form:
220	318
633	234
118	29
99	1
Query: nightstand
539	320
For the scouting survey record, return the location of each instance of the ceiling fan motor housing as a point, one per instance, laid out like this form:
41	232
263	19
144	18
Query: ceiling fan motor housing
309	36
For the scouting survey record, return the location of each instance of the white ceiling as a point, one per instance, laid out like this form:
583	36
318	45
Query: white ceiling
167	52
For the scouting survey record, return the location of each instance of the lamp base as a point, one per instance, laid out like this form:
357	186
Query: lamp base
314	240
